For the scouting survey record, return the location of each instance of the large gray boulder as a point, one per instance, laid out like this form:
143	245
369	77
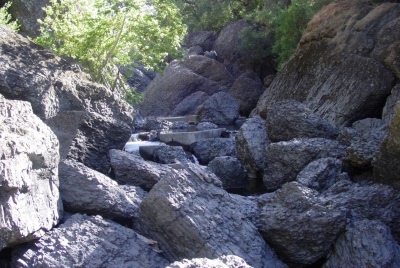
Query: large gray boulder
230	171
251	142
247	89
30	202
284	160
84	241
345	65
221	109
365	201
170	154
289	119
87	118
133	170
191	216
84	190
228	261
190	104
387	164
206	150
365	244
203	39
295	223
178	82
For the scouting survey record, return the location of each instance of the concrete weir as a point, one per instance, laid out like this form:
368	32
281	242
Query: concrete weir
187	138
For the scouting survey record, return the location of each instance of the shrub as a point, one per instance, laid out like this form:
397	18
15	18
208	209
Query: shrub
6	19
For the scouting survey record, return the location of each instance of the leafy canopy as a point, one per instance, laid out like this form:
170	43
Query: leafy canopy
5	18
105	34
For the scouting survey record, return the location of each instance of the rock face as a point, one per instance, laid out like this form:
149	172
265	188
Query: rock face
85	190
89	242
30	203
345	65
206	150
87	118
387	164
177	83
222	262
221	109
289	119
190	216
297	226
365	244
251	142
133	170
230	171
284	160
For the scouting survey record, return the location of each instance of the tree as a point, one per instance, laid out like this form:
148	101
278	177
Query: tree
105	34
6	19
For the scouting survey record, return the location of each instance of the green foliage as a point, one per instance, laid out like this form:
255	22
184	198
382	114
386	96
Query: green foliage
105	34
5	18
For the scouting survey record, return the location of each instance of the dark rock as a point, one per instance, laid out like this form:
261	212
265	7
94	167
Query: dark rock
170	155
177	83
365	201
387	164
284	160
388	110
84	241
289	119
247	89
209	68
133	170
191	216
299	228
206	150
84	190
204	39
341	67
206	125
227	261
251	142
367	125
230	171
221	108
29	198
156	123
196	50
136	77
190	104
365	244
321	174
348	135
87	118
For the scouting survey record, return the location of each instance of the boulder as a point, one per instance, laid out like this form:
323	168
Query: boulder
284	160
30	202
221	109
247	89
322	174
230	171
365	244
388	110
84	190
170	155
363	150
209	68
136	77
297	226
365	126
203	39
89	241
206	125
190	104
365	201
348	135
87	118
177	83
27	12
387	164
251	141
227	261
289	119
206	150
133	170
191	216
345	65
